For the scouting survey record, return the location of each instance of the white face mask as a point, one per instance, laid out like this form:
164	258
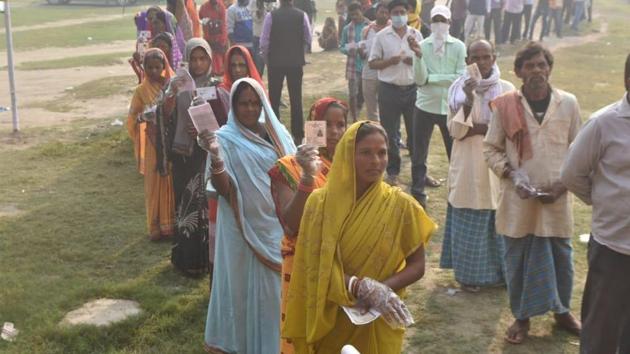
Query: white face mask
399	21
440	29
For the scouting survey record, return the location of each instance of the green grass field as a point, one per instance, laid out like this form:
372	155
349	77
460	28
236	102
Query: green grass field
79	231
97	60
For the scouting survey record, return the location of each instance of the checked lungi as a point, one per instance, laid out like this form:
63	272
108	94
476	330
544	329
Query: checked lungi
539	275
472	248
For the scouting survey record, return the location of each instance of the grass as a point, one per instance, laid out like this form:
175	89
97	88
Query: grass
75	35
80	232
73	62
95	89
38	12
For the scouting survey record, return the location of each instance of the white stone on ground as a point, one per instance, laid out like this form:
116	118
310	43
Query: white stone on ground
102	312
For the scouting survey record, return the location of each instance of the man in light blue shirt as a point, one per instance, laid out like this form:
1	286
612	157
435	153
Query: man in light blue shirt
438	61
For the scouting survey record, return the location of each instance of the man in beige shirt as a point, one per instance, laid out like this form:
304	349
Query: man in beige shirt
471	247
597	170
526	144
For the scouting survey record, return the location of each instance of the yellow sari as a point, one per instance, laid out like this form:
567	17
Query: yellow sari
369	237
158	189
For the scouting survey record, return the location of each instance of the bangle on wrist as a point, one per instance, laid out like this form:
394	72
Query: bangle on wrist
351	282
218	171
306	188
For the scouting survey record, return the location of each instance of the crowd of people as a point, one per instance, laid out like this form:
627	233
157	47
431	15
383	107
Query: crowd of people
310	248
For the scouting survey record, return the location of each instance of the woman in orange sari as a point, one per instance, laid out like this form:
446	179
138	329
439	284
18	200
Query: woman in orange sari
147	130
294	177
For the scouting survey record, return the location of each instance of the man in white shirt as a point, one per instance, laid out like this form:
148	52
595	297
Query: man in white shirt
471	247
392	58
597	170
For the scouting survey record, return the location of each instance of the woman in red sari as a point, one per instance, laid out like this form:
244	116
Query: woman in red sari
212	14
294	177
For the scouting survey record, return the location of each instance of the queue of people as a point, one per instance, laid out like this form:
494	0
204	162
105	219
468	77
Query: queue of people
311	248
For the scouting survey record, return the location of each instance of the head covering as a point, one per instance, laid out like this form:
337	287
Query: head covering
251	67
145	95
367	237
318	109
176	55
441	10
168	71
171	27
248	157
193	44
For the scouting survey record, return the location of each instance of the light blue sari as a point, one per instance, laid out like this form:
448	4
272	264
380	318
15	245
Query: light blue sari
244	310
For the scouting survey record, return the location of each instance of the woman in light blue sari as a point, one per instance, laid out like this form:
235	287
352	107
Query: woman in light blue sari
244	309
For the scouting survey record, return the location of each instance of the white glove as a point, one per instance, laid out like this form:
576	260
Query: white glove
521	182
384	300
307	157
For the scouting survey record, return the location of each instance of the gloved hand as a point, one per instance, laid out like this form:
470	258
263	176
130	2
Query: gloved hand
307	157
380	297
209	142
521	182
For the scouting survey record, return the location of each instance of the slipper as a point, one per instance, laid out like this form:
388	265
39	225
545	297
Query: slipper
431	182
470	288
520	334
571	325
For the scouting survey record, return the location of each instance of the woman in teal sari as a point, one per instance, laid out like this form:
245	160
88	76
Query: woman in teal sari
244	309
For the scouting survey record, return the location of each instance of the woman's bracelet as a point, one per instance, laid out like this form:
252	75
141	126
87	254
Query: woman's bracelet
351	284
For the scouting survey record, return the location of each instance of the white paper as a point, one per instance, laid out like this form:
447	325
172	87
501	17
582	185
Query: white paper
355	316
315	133
584	238
185	81
203	118
1	6
351	45
473	72
142	47
207	93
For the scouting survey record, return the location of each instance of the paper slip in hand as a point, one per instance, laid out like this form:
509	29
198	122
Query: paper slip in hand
473	72
315	133
356	317
207	93
351	45
144	35
203	118
187	83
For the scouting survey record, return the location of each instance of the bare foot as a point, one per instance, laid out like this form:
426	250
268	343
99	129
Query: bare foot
517	332
470	288
568	322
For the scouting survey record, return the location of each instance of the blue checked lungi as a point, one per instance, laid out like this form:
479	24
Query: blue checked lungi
472	248
539	275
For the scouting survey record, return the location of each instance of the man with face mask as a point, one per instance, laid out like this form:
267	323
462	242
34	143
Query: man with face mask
391	56
438	61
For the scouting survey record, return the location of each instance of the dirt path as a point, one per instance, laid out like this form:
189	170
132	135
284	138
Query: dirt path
63	23
321	75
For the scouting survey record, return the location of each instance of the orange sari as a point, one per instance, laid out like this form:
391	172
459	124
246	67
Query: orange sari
288	171
158	189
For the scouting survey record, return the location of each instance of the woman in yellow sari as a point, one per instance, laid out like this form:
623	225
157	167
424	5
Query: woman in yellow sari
360	242
294	177
147	132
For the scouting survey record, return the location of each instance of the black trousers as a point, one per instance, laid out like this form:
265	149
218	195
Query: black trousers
493	21
606	302
511	22
394	101
527	16
423	123
275	76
